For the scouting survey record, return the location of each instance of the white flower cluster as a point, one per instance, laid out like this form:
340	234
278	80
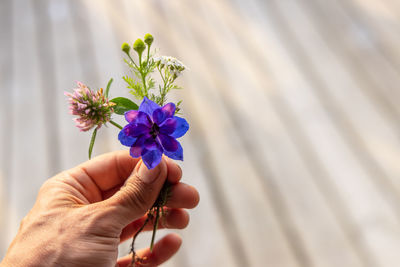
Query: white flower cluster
174	66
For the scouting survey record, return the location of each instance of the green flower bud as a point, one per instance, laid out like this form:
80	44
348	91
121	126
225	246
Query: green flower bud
148	39
139	46
126	48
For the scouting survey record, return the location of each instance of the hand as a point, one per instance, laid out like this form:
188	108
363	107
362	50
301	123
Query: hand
82	214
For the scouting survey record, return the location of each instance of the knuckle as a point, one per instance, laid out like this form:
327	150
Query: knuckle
23	222
46	185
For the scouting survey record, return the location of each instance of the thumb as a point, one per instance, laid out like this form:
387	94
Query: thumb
139	192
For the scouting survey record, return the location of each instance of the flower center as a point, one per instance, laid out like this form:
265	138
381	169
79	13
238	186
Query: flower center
155	130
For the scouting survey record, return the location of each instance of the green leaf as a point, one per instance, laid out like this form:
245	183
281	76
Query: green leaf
123	104
178	107
108	86
136	86
92	142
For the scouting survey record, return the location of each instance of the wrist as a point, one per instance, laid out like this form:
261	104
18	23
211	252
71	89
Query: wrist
28	259
23	252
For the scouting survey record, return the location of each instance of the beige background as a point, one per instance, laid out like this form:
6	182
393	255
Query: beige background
294	111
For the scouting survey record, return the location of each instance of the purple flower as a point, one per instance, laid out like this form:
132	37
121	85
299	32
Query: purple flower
152	131
92	108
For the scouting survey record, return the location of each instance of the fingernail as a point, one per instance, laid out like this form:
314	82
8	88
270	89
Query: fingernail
146	175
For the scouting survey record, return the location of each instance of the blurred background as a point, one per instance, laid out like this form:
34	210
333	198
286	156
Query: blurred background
294	111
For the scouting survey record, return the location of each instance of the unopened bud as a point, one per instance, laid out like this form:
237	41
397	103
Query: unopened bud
126	48
139	46
148	39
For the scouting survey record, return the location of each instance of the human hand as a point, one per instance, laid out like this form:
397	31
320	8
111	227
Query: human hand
82	214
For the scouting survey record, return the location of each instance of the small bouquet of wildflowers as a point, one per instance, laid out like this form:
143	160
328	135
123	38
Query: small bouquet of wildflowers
152	127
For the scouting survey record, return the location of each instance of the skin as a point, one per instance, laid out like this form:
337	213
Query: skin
81	215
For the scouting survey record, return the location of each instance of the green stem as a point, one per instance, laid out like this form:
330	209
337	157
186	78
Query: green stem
142	75
147	66
133	61
116	125
155	228
164	90
144	83
92	142
162	77
148	55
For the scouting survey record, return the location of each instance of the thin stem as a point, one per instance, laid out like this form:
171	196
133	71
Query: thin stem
142	74
92	142
134	238
163	92
147	66
144	83
133	61
148	55
138	232
162	77
116	124
155	228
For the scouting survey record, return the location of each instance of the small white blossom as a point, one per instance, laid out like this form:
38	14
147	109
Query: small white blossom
174	66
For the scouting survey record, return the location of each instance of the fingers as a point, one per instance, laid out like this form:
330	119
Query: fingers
183	196
174	171
163	250
138	193
174	219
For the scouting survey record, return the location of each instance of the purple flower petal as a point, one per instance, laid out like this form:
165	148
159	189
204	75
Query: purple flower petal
147	106
135	130
126	140
151	158
131	115
181	128
152	131
169	126
151	144
178	154
168	143
134	116
138	147
136	151
169	109
161	114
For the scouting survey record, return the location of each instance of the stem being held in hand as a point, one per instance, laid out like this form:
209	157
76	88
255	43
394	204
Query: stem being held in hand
134	259
155	228
155	211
